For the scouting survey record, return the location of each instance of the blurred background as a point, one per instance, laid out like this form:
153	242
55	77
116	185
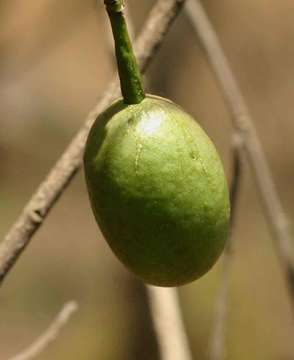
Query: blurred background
55	61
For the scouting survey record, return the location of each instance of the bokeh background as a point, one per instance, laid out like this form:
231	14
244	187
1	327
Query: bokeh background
55	61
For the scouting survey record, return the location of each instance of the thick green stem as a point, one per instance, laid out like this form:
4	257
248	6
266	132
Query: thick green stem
129	73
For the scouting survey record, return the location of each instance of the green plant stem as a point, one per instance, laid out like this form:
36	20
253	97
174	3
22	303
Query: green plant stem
128	70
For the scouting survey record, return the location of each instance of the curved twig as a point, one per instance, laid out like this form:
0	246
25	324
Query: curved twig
217	340
50	335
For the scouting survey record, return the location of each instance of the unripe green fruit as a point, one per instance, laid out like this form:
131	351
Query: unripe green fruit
158	190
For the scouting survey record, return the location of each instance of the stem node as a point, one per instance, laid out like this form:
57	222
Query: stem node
114	5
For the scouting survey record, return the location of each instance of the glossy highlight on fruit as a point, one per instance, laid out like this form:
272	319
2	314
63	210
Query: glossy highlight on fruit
157	190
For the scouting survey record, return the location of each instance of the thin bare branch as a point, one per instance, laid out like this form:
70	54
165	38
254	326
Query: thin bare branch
34	213
216	350
244	127
217	340
50	335
168	324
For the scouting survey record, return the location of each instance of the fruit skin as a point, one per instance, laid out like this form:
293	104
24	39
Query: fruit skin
157	190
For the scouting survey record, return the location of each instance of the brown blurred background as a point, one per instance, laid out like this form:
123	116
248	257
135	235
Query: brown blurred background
55	61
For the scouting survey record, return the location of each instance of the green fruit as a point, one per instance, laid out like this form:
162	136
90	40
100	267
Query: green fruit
158	190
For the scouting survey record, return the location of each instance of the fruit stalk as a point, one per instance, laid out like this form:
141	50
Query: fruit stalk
128	70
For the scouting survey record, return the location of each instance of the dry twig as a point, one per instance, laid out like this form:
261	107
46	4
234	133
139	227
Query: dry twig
244	127
217	341
168	324
50	335
34	213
